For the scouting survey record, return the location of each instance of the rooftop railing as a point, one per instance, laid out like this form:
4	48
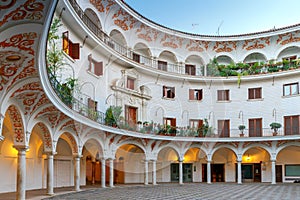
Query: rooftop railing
223	71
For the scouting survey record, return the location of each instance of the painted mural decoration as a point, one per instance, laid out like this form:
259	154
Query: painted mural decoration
225	46
197	45
17	124
10	65
171	41
259	43
30	10
287	38
29	95
124	20
146	33
46	136
103	6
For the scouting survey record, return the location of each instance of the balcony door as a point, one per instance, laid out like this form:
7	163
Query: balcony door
255	127
131	115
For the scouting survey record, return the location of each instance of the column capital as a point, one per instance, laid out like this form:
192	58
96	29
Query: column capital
21	147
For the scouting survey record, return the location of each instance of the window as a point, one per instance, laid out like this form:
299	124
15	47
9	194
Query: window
290	89
255	127
190	70
195	94
162	65
196	123
223	128
291	125
223	95
254	93
130	83
168	92
170	122
95	67
92	105
136	57
70	48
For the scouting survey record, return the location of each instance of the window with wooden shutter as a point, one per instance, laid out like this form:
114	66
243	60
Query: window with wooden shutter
190	70
291	125
70	48
255	127
136	57
254	93
168	92
195	94
223	128
223	95
162	65
95	67
130	83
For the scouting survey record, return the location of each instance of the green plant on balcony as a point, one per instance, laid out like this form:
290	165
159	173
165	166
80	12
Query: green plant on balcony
205	129
112	115
212	68
275	126
241	128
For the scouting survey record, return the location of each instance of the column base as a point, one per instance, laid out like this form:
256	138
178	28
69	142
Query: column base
50	193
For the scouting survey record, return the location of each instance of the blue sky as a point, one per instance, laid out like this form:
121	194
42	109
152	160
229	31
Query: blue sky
231	16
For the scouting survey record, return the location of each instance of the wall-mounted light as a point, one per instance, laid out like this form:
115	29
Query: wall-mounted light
248	157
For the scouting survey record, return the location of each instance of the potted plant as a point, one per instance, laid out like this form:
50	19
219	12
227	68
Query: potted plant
275	126
242	128
112	115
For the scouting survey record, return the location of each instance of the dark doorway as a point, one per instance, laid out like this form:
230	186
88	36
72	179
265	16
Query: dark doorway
217	173
186	169
278	173
204	172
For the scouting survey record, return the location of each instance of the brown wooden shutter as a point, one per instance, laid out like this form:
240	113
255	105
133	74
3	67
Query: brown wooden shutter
98	68
191	94
75	50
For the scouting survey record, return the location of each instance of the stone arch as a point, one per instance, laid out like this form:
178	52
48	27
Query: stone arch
118	37
255	57
168	57
214	150
286	145
44	132
142	49
287	51
70	139
224	59
196	61
90	13
223	168
128	164
256	163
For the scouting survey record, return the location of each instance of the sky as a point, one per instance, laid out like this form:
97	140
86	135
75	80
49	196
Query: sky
220	17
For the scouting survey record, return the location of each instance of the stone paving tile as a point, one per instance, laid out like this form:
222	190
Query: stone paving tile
197	191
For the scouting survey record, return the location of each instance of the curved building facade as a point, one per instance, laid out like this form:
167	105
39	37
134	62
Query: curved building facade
110	97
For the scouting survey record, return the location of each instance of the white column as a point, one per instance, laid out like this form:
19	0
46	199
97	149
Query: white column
208	172
180	173
21	172
239	172
154	172
50	174
273	171
111	173
103	180
77	173
146	178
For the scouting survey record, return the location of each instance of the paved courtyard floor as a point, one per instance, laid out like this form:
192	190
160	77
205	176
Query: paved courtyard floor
251	191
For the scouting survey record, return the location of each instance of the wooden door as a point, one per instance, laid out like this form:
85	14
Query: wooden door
130	113
278	173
